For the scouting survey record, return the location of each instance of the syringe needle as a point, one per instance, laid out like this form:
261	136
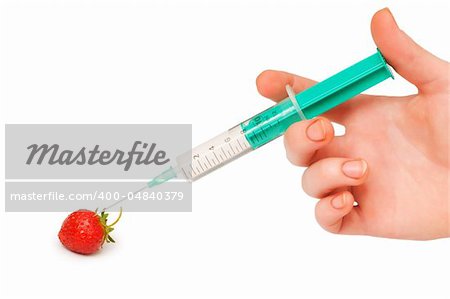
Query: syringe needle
161	178
124	198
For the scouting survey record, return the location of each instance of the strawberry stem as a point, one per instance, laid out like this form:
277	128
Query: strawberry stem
103	217
118	218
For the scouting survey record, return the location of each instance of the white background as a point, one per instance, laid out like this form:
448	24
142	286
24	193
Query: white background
252	231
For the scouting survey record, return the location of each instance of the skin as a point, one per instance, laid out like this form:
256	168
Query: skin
393	161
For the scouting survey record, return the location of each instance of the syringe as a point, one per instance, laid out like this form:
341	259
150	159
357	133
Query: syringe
273	122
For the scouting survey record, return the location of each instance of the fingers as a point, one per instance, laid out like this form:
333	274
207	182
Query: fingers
327	175
337	214
272	84
303	139
411	61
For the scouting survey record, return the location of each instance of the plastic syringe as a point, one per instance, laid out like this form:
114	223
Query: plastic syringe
273	122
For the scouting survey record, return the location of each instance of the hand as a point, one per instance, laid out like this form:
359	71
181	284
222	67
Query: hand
394	158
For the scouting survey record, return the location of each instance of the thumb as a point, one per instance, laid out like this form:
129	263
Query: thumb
410	60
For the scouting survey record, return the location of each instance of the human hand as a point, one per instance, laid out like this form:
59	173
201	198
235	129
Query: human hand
393	160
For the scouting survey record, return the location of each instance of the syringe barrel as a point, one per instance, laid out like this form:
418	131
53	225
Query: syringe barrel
212	154
270	124
273	122
319	98
344	85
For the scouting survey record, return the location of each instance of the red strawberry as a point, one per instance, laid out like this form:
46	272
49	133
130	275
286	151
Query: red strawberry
85	231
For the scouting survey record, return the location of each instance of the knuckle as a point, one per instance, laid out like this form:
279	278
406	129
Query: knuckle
292	159
295	138
327	169
307	185
325	226
304	181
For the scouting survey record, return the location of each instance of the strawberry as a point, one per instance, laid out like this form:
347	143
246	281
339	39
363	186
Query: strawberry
85	231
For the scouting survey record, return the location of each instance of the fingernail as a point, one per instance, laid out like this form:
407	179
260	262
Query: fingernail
316	131
354	169
338	202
